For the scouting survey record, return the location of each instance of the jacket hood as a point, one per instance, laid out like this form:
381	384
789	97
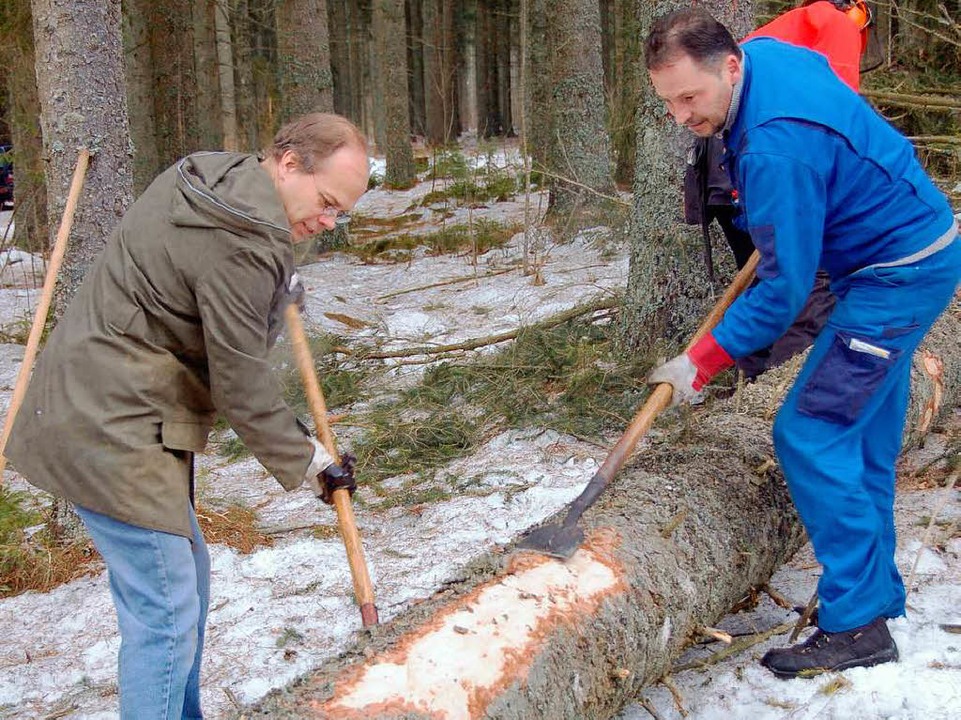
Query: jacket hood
229	191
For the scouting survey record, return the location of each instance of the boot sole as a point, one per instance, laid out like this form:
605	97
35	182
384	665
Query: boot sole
878	658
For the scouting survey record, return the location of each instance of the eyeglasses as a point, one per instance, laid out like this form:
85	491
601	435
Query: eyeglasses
329	208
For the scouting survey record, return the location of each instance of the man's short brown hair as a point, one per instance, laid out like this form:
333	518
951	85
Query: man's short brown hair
690	31
314	137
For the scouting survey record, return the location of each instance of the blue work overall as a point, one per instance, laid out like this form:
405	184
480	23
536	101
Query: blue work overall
839	431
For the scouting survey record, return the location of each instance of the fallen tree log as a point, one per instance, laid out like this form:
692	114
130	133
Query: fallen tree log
700	517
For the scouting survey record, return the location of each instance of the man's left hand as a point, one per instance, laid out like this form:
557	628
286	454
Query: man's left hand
681	374
336	476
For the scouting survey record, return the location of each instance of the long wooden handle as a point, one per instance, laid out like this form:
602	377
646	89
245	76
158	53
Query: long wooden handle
43	306
363	589
660	398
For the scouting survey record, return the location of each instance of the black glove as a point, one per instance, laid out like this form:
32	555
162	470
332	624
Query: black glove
336	476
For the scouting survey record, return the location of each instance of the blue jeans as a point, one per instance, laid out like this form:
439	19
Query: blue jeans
160	584
838	433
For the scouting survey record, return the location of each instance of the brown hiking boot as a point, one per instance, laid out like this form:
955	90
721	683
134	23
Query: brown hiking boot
863	646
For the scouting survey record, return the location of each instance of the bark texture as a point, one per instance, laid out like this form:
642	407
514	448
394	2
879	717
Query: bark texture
225	76
580	149
83	104
303	48
390	40
23	107
209	129
140	78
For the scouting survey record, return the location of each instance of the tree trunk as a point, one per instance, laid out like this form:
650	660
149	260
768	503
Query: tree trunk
667	288
502	61
339	55
83	104
390	38
225	76
671	547
486	112
210	134
467	66
685	531
244	76
263	43
79	66
304	57
538	100
175	84
580	153
139	75
415	64
438	70
624	88
23	104
357	29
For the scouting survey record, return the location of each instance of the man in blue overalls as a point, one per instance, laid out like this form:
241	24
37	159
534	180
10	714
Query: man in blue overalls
824	183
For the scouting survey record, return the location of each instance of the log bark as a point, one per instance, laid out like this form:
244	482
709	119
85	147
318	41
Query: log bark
697	519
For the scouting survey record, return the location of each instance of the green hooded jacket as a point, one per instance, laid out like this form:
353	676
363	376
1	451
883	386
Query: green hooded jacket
171	326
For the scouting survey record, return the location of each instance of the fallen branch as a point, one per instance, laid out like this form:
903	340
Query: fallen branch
904	100
474	343
936	139
271	530
452	281
738	646
649	706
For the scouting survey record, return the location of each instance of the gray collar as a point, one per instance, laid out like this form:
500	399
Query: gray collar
735	103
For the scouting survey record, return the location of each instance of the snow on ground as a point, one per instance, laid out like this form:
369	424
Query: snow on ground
281	611
924	685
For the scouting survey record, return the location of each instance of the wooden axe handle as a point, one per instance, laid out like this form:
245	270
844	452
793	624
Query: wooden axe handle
363	589
660	398
43	306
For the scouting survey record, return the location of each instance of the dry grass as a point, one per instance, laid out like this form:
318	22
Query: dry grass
34	564
32	559
235	527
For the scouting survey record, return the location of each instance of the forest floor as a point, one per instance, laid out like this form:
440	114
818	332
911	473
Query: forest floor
281	610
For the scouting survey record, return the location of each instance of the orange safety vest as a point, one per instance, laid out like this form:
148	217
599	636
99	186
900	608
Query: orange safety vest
822	27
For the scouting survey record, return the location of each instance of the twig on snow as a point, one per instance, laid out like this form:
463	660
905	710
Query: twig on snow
805	618
676	693
777	597
649	706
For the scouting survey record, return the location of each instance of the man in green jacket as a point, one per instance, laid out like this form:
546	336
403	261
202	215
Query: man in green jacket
172	326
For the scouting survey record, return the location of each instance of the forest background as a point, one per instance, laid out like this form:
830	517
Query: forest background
145	82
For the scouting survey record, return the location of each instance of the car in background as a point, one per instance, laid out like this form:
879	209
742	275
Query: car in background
6	176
